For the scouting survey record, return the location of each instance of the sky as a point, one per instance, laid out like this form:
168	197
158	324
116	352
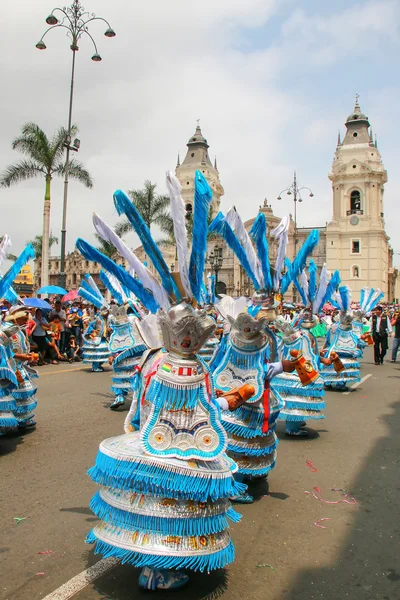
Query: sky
272	82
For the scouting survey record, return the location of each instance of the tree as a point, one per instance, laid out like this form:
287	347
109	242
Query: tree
106	247
44	159
151	206
37	244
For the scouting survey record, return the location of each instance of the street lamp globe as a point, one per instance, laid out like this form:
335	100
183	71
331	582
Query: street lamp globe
110	33
279	198
51	20
289	193
311	195
41	45
96	57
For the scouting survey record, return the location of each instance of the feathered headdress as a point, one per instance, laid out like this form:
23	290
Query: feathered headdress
26	255
369	298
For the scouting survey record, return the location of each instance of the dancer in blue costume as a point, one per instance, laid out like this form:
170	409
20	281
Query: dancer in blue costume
304	402
369	299
343	342
126	348
95	345
8	383
166	483
251	353
25	393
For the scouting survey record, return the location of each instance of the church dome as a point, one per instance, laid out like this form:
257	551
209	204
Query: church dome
197	138
357	115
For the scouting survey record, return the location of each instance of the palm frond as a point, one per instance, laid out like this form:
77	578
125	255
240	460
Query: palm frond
76	171
57	143
105	247
123	227
21	171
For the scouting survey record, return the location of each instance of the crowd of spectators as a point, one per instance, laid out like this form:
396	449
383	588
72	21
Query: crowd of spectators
56	333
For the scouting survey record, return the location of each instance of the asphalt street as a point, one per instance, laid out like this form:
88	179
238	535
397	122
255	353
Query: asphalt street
284	551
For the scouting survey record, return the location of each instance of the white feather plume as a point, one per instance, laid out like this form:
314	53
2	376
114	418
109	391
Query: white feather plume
323	284
4	248
304	284
178	214
93	285
149	330
231	307
281	234
143	273
234	220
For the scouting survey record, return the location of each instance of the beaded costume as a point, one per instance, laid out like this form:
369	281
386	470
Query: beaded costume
8	383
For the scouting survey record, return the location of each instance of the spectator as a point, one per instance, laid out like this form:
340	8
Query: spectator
75	322
59	313
396	341
40	339
73	350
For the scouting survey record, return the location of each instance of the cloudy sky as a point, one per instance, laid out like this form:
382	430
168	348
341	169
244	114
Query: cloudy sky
272	81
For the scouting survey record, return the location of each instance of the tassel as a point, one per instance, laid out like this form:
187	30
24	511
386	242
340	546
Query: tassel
125	206
258	233
127	280
202	202
220	226
178	214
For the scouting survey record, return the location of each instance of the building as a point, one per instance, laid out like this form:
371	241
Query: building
354	241
23	284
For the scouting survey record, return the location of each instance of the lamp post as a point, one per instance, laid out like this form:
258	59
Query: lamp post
215	259
75	20
295	191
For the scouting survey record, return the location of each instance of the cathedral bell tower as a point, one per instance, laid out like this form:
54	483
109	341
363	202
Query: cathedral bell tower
197	159
357	244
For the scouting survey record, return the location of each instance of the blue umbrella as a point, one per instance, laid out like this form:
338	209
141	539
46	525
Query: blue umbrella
36	303
52	289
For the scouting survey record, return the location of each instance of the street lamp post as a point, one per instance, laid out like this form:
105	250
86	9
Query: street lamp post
215	259
295	191
75	20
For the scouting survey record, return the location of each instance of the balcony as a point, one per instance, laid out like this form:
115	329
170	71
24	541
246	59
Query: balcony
354	211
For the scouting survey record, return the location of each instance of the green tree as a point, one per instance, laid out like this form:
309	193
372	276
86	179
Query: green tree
151	206
106	247
37	244
45	158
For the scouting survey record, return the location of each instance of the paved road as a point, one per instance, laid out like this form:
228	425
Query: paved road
357	448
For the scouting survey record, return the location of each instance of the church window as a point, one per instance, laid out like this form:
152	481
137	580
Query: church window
355	201
189	208
355	134
354	166
188	183
355	246
74	278
192	154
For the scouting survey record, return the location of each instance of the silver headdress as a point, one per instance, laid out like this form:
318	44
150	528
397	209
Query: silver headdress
184	329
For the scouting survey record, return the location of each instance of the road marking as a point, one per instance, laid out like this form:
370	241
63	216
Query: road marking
353	387
79	582
62	371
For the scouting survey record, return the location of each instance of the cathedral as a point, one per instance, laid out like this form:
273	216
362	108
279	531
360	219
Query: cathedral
354	241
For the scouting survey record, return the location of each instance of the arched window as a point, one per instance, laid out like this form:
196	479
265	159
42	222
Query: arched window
355	202
355	272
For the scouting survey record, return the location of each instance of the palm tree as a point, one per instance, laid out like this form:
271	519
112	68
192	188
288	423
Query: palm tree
37	244
150	205
44	159
106	247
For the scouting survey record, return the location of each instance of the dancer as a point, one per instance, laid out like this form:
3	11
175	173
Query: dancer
164	501
251	353
95	346
8	383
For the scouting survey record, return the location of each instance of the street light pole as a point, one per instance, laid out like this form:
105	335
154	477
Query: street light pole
75	20
215	259
295	190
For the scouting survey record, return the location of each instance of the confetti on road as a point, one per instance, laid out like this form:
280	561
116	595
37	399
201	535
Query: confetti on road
316	524
46	552
311	466
346	500
19	519
265	565
41	573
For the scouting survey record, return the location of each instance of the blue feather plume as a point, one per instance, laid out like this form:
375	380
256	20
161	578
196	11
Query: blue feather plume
83	293
376	301
344	292
85	285
331	289
300	261
90	253
26	255
312	283
371	293
220	226
125	206
362	296
301	292
211	290
258	233
114	293
202	202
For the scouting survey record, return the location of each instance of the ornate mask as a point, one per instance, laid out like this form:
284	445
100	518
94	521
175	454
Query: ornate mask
346	320
184	329
268	302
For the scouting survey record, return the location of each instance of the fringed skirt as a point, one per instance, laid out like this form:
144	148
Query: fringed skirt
350	374
300	403
25	397
162	513
95	354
